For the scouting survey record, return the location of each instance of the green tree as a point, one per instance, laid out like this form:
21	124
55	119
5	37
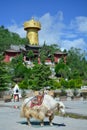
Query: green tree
4	76
20	70
47	51
61	70
30	55
40	76
77	63
8	38
64	83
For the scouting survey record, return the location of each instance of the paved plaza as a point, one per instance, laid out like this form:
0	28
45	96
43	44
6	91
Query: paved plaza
10	118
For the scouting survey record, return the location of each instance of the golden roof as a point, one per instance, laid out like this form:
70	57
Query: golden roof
32	24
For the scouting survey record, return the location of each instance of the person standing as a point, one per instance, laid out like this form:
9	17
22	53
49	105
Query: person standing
16	92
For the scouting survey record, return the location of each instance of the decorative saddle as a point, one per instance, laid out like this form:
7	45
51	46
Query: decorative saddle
37	100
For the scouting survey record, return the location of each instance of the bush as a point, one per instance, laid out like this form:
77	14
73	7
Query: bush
75	83
23	84
64	83
71	83
54	84
63	92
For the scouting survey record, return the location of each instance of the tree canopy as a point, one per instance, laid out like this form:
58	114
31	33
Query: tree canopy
72	74
8	38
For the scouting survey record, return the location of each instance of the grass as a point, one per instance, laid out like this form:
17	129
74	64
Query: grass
76	116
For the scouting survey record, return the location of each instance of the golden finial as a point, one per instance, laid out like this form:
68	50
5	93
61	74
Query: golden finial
32	27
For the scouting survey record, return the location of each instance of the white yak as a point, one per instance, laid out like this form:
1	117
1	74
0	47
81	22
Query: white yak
46	109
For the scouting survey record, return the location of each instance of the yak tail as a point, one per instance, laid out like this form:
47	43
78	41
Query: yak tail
22	110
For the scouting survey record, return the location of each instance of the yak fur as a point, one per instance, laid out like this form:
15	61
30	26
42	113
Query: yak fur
46	109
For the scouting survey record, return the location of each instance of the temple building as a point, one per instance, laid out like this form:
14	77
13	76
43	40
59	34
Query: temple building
11	53
31	27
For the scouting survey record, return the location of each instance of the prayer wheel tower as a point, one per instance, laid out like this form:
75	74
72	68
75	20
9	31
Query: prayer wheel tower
32	27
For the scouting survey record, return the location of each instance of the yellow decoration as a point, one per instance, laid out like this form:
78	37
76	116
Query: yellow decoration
32	27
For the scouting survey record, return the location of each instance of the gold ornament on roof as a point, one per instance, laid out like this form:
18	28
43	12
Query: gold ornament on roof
32	27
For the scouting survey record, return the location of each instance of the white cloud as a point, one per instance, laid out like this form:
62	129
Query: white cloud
17	29
51	28
77	43
59	16
80	24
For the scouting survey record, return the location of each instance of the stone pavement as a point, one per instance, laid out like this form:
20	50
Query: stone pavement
77	107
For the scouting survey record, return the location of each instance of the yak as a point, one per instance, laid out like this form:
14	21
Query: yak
46	108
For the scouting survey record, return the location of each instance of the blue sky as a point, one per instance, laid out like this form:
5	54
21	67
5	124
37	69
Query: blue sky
64	22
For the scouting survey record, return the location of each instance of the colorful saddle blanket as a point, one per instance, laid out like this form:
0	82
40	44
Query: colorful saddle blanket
37	100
